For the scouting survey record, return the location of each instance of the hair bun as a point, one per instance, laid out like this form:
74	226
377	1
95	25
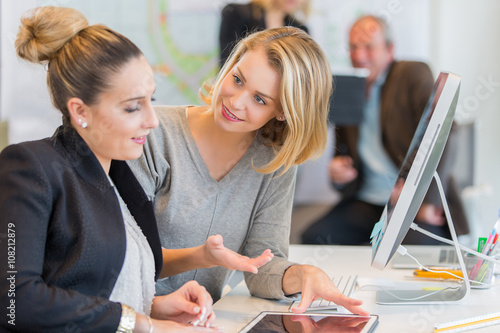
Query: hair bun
44	30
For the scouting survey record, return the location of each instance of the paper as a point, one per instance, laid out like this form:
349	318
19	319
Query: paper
376	235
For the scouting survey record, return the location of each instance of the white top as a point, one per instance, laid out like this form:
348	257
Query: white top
135	285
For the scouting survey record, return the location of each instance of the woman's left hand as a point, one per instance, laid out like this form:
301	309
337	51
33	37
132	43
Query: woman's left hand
219	255
191	303
315	283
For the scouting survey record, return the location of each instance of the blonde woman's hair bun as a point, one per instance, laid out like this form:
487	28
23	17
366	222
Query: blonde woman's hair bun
45	30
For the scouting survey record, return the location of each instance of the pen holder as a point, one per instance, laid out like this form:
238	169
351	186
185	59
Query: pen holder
480	271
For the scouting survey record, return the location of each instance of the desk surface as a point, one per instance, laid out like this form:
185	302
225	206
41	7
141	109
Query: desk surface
237	308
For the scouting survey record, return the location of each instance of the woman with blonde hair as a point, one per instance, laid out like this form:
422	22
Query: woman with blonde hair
239	20
229	167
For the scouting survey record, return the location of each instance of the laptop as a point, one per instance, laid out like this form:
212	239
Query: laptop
428	255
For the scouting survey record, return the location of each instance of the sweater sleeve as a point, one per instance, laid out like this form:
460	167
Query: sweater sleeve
25	214
271	230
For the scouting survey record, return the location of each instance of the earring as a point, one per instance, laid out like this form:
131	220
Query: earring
83	124
281	118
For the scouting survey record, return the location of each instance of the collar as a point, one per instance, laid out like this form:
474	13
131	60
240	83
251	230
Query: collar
80	156
379	81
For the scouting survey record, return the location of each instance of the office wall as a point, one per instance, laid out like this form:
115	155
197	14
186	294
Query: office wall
465	40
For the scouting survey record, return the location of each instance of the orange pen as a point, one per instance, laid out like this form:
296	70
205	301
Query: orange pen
442	274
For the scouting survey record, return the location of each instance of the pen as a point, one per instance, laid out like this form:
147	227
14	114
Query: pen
495	239
480	243
443	274
493	249
482	272
468	323
493	245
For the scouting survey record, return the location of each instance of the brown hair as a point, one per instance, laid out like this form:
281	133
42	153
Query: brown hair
81	58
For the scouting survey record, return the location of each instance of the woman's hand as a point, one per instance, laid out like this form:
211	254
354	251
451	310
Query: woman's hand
218	255
212	253
191	303
314	283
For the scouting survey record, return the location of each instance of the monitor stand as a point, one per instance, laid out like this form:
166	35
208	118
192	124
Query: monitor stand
446	295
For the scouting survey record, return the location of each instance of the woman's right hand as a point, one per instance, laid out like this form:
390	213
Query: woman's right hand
219	255
191	303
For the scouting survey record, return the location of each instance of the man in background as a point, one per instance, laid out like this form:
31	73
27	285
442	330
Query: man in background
368	155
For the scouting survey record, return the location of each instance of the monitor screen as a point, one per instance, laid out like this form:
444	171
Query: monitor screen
417	170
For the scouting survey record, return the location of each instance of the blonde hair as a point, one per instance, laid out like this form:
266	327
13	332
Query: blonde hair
305	9
305	89
81	58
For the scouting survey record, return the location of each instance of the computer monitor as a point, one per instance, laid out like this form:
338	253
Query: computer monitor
417	170
414	179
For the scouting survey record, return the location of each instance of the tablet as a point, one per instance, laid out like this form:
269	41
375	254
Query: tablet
283	322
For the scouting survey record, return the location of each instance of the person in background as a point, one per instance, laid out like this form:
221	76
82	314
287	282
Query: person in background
82	250
238	20
229	167
368	156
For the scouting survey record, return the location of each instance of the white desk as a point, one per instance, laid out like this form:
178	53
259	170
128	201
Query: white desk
237	308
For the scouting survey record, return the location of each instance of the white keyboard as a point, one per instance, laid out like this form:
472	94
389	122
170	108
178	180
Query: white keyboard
345	284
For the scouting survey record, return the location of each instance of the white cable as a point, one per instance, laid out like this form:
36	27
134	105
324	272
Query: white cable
446	272
415	227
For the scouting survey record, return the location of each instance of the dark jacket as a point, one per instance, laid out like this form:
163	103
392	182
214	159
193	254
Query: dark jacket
240	19
404	96
66	234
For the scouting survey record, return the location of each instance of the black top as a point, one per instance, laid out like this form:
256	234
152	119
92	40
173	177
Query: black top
239	20
65	242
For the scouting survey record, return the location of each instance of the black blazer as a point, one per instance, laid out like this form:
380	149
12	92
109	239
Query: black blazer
66	233
238	20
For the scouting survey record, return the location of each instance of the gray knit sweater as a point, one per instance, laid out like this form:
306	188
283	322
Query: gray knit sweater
252	211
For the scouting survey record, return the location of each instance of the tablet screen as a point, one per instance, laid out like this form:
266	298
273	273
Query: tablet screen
294	323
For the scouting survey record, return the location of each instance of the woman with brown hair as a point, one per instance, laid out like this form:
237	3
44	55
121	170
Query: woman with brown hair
83	248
